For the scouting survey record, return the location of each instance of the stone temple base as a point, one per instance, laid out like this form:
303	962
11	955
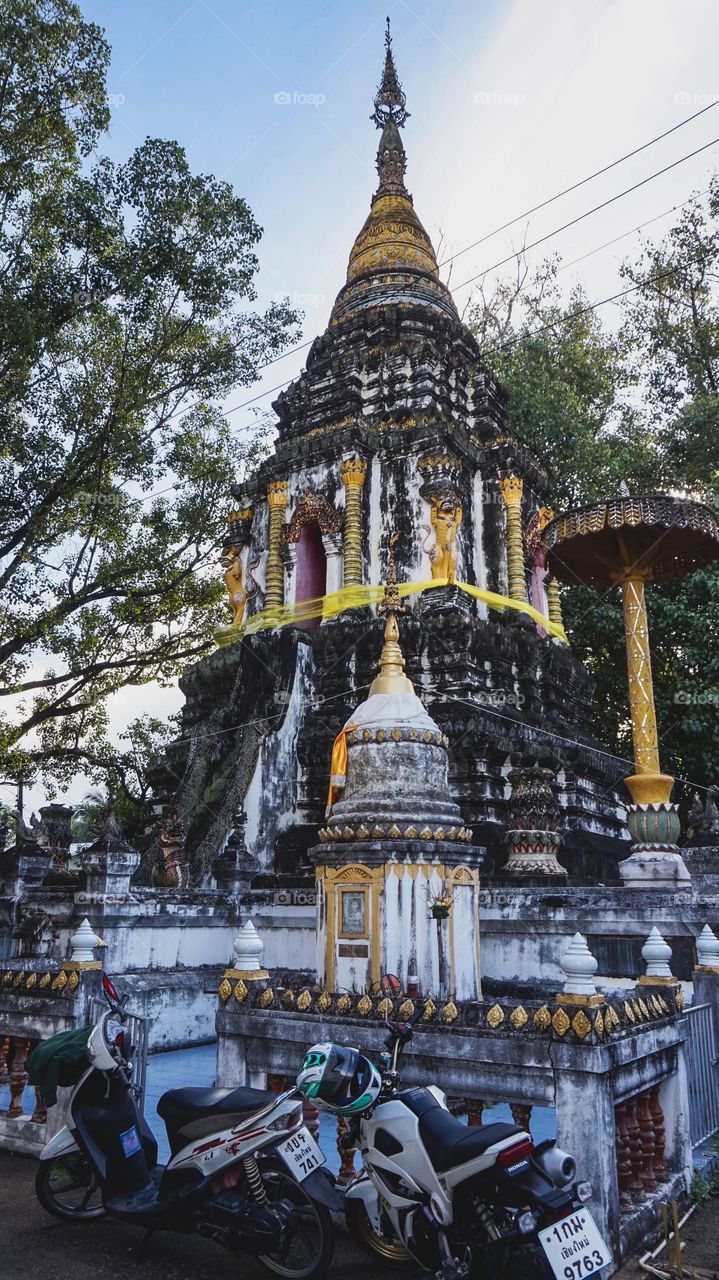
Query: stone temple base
660	868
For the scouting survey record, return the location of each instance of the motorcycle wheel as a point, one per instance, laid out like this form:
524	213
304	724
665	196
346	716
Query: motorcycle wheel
309	1240
387	1249
67	1187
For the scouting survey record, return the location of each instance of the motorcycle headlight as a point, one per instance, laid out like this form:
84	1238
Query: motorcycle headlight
583	1191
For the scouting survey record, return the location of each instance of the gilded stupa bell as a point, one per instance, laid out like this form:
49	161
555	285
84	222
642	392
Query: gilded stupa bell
392	259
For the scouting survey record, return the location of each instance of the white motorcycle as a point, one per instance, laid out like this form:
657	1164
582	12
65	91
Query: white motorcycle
459	1200
243	1169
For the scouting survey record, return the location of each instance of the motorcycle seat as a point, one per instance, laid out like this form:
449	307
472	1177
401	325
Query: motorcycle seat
193	1113
449	1143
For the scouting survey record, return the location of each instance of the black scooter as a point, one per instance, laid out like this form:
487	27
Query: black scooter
243	1170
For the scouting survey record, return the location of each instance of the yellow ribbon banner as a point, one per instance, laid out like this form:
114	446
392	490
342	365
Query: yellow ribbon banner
358	597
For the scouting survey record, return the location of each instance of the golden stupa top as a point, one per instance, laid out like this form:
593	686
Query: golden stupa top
391	677
392	260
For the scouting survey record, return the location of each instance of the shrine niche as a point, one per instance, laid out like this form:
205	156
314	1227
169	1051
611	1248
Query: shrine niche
312	509
313	522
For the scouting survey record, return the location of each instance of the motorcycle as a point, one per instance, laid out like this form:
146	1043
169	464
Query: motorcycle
459	1200
243	1169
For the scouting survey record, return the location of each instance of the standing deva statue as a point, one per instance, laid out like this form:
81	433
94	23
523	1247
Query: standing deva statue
239	593
445	518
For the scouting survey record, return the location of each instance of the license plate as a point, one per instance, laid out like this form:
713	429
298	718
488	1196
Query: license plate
574	1247
301	1154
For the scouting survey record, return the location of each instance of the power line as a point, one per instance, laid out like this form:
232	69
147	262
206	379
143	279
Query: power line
303	346
607	243
523	336
575	186
542	240
587	214
592	306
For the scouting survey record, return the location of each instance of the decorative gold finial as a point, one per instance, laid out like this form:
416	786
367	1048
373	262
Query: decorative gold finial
391	678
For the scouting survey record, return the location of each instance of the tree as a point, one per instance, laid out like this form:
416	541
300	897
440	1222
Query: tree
124	320
639	405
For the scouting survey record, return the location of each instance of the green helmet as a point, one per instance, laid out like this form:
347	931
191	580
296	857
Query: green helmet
338	1079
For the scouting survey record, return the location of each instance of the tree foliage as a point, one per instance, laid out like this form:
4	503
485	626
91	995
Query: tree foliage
640	405
124	322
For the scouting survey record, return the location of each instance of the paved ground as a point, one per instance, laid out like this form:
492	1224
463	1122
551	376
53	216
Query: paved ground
35	1245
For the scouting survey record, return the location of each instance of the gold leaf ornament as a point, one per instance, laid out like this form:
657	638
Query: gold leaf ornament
324	1002
519	1017
364	1006
429	1010
73	981
224	990
267	998
406	1009
495	1017
240	991
344	1004
542	1018
581	1026
449	1013
560	1022
304	1000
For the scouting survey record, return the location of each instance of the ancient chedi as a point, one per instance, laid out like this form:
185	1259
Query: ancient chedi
395	432
397	874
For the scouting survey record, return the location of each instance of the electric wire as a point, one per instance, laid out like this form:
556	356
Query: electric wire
587	214
576	185
482	708
302	346
518	338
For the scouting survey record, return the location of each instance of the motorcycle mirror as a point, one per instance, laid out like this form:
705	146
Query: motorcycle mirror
109	990
390	985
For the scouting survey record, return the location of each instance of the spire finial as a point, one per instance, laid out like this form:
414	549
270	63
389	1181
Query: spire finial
391	678
389	102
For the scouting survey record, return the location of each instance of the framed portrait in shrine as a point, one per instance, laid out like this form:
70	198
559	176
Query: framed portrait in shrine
353	913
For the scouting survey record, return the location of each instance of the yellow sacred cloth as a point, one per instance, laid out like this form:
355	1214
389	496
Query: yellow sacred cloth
338	766
336	602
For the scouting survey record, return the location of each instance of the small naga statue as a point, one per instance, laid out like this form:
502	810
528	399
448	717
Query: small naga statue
170	869
445	519
239	593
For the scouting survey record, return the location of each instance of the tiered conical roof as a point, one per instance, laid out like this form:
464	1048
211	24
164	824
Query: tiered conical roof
392	259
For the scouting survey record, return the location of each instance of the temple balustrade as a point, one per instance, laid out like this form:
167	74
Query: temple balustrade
611	1068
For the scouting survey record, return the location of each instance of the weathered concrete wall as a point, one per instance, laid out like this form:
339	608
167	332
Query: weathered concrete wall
524	931
179	1005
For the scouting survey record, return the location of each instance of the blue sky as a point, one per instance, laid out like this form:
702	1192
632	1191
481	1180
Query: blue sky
510	101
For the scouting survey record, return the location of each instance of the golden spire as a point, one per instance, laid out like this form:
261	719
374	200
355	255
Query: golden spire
391	678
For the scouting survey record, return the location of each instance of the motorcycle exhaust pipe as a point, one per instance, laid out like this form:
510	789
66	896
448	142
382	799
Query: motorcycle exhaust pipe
557	1164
